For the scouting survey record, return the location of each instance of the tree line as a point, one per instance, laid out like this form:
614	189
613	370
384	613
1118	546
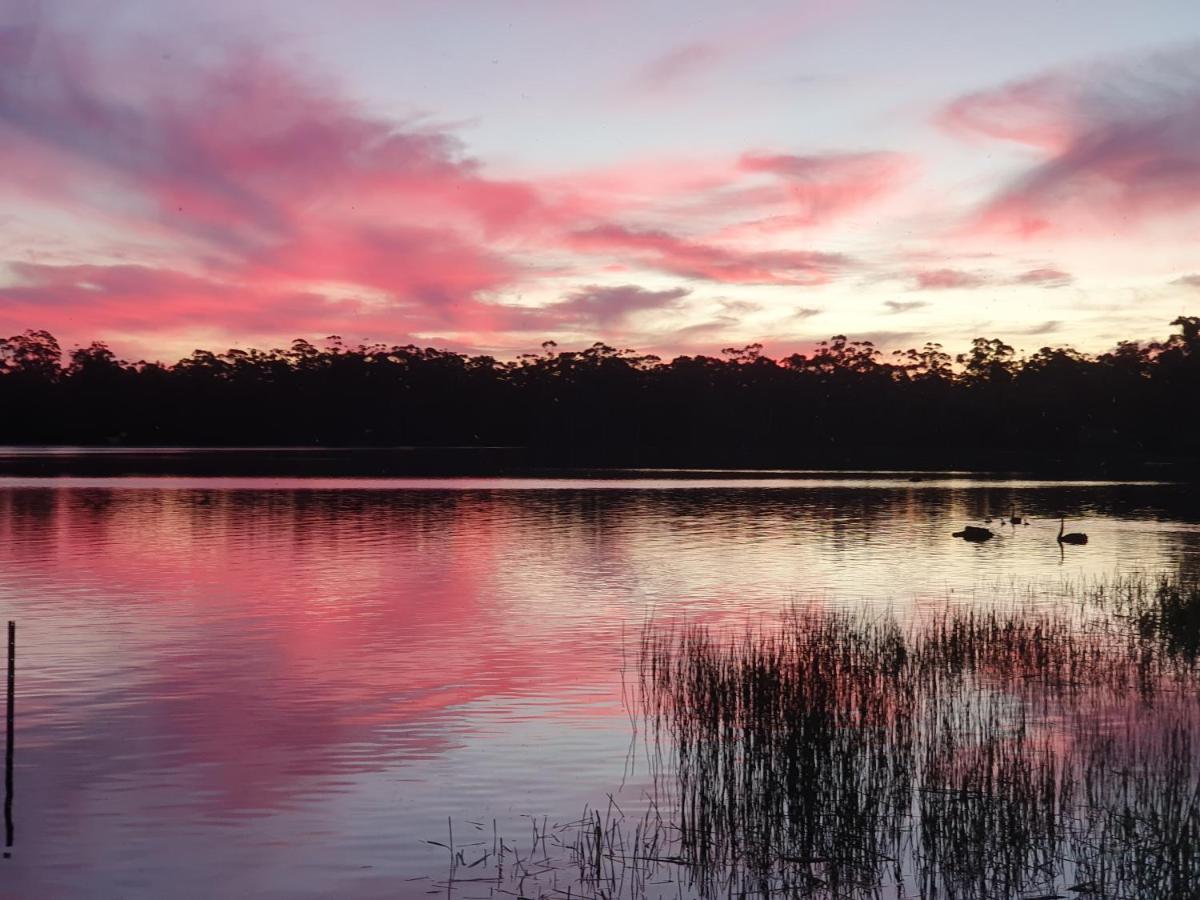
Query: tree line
846	403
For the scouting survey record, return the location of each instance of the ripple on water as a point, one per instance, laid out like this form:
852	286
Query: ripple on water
274	684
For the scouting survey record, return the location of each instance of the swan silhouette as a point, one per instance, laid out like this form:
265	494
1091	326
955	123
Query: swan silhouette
1075	537
974	533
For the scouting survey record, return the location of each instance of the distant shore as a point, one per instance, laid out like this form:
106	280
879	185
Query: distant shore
115	461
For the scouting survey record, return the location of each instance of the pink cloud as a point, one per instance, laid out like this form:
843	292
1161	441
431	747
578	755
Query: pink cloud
820	188
264	201
678	256
75	302
267	184
243	150
1046	277
658	185
775	190
79	302
435	266
1028	112
944	279
1120	147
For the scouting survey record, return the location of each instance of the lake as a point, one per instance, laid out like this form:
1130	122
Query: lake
287	687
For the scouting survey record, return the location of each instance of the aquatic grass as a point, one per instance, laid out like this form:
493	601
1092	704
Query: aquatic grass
978	753
1171	615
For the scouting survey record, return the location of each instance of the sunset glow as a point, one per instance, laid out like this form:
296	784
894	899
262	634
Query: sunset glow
484	177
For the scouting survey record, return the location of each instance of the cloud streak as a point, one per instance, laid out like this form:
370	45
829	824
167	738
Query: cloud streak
677	66
1044	277
955	279
1119	147
665	252
606	306
947	279
817	189
903	306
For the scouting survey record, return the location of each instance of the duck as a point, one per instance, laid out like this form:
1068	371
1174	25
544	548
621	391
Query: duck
1075	537
1013	518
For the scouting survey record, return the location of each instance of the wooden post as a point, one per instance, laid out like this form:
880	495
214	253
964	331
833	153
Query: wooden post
8	755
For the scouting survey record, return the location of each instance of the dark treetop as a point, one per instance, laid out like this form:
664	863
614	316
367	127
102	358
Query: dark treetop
845	404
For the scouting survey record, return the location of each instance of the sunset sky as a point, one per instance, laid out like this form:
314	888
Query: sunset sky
672	177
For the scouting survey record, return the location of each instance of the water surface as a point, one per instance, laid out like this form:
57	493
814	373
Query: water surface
284	687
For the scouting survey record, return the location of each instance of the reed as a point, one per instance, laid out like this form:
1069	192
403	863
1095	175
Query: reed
976	754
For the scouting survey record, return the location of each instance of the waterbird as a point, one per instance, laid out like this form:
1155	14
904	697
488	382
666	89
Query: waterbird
974	533
1013	518
1075	537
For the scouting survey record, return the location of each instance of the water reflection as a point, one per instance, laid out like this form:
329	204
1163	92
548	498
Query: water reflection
284	680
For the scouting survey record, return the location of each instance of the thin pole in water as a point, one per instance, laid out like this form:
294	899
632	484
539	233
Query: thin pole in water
8	755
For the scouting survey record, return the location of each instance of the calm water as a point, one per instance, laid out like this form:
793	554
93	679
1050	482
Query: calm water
282	688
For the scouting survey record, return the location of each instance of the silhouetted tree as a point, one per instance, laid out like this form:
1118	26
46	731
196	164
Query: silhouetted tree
843	403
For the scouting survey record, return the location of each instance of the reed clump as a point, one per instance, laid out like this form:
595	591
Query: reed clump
976	754
1171	614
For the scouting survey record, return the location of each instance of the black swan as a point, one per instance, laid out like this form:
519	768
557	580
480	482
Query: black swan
974	533
1076	537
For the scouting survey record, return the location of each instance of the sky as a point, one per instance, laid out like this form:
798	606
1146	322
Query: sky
670	177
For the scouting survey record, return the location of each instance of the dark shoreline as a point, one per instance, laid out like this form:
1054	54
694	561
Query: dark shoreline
115	461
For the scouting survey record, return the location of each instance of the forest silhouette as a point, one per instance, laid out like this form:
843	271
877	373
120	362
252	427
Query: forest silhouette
846	403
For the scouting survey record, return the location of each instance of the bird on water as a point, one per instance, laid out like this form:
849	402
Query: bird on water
1075	537
974	533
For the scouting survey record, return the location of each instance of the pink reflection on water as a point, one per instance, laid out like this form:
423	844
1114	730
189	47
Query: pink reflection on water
255	641
352	665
